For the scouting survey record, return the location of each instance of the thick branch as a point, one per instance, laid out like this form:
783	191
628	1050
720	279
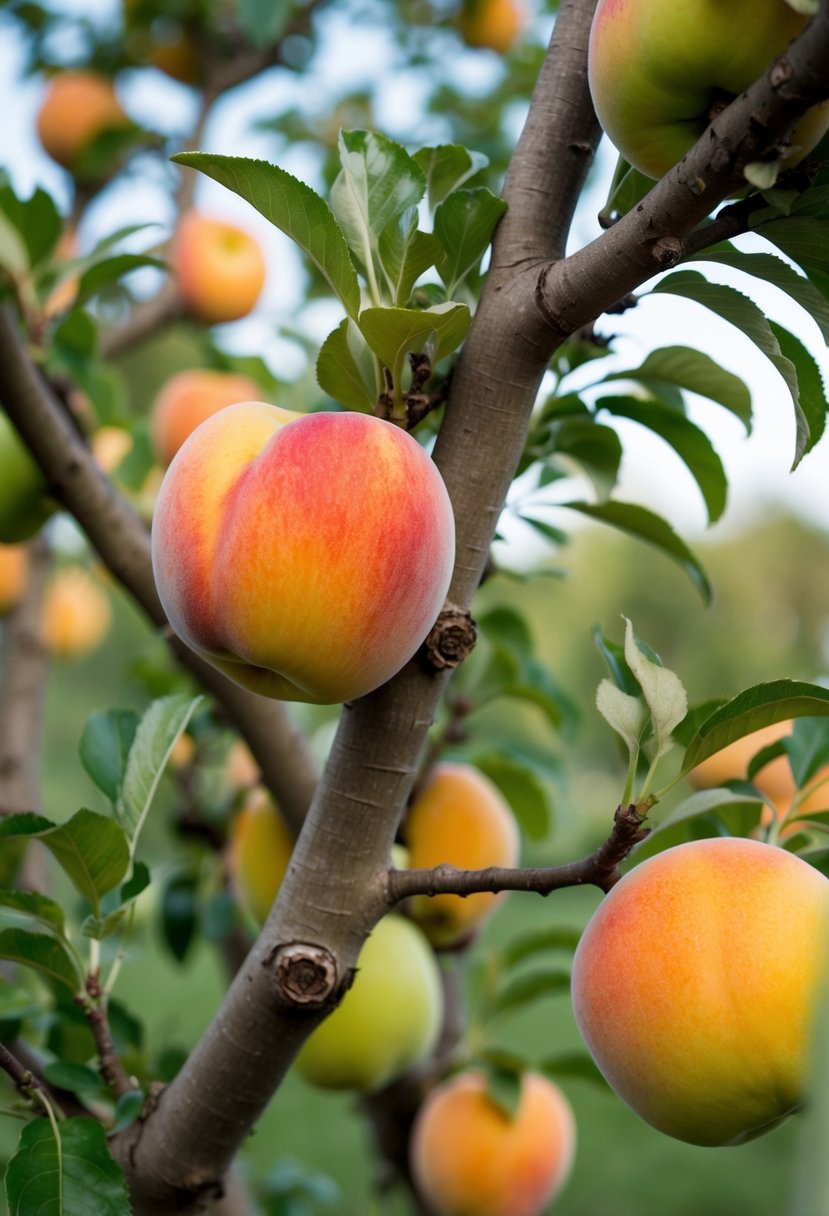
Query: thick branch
123	542
653	236
335	890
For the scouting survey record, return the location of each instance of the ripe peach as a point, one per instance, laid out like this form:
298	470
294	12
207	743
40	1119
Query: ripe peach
388	1020
306	556
694	986
491	24
220	268
78	107
187	399
731	764
14	570
470	1158
460	818
76	613
260	849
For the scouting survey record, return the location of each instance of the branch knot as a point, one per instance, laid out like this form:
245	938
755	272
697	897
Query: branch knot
451	639
304	975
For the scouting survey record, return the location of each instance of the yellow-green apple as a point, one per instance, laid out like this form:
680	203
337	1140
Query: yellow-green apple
76	613
187	399
695	984
259	851
462	819
14	572
305	555
24	503
659	71
469	1157
389	1019
491	24
77	108
220	268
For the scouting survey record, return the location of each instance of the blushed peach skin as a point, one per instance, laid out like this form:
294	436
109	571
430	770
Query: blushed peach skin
469	1158
656	67
306	556
460	818
220	268
188	399
694	986
77	108
731	763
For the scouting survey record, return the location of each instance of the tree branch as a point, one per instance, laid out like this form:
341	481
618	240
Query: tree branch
123	542
600	869
654	236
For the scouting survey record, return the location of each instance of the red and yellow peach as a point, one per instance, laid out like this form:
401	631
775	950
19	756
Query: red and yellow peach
306	556
220	269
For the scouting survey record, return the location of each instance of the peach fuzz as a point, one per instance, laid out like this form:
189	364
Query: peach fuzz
470	1158
259	852
14	571
460	818
656	68
220	268
306	556
188	399
695	982
77	108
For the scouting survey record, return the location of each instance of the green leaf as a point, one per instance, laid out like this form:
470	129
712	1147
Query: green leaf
809	382
77	1078
662	689
536	941
624	713
807	748
405	255
159	729
105	744
37	219
110	270
346	368
65	1172
292	207
179	915
39	907
44	953
378	185
447	167
597	448
627	188
686	368
523	790
127	1109
644	524
576	1065
503	1087
523	989
263	21
464	224
802	238
392	333
742	312
780	274
100	927
740	811
90	848
614	656
689	441
509	628
760	705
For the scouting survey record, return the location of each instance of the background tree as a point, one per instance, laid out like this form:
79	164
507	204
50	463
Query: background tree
504	376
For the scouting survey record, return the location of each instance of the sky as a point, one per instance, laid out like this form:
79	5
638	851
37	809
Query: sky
757	466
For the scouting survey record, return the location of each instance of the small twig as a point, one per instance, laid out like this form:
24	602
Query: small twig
109	1063
24	1079
600	869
